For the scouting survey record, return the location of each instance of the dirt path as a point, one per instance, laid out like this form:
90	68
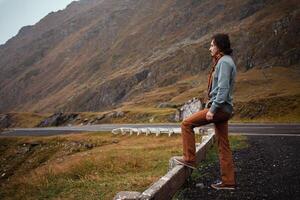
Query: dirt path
268	169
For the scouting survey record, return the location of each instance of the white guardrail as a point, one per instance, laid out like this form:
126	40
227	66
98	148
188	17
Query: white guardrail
156	131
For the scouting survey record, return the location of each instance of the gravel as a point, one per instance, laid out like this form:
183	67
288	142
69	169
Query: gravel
268	169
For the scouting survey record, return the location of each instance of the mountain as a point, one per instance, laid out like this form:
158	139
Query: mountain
98	55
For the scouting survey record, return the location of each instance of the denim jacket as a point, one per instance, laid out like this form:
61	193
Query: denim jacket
222	85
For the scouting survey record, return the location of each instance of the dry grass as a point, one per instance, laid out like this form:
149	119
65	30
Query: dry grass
253	84
272	109
271	89
261	95
25	119
84	166
145	115
265	83
250	85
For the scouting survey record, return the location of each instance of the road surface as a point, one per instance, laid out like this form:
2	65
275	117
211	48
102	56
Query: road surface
277	129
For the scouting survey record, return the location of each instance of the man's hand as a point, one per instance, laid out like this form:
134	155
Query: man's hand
209	115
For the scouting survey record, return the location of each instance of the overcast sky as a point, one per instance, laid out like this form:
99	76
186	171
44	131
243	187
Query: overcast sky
14	14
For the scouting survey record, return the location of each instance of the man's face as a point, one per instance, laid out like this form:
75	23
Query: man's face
213	49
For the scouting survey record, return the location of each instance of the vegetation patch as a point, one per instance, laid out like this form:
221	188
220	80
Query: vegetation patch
272	109
82	166
237	142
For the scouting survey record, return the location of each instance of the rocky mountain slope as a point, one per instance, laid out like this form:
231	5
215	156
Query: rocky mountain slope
98	55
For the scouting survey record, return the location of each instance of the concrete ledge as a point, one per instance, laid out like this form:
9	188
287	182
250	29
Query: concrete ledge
168	185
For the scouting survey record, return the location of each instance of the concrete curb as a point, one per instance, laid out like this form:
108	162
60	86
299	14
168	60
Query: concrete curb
169	184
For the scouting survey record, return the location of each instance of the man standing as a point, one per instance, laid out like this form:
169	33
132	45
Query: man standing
218	110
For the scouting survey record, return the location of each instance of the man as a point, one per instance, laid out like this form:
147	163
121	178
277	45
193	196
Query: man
218	110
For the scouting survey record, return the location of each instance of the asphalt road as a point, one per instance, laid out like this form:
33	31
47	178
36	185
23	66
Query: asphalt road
277	129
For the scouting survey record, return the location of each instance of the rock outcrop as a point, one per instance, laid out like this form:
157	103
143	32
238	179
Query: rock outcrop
189	108
58	119
5	121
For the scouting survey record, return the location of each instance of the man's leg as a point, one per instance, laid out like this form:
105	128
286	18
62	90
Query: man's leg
188	135
225	154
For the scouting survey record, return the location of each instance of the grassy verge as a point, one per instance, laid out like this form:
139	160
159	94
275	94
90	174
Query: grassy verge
82	166
272	109
236	143
276	109
146	115
260	95
25	119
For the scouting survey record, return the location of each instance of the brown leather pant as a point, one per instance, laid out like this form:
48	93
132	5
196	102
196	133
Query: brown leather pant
220	120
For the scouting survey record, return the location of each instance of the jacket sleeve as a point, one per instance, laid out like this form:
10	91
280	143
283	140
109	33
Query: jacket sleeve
223	85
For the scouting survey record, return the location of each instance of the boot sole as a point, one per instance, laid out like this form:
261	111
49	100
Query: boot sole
223	188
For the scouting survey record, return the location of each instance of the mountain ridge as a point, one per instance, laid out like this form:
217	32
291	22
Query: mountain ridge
99	55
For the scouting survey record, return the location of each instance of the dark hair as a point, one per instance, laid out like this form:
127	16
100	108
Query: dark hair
222	41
